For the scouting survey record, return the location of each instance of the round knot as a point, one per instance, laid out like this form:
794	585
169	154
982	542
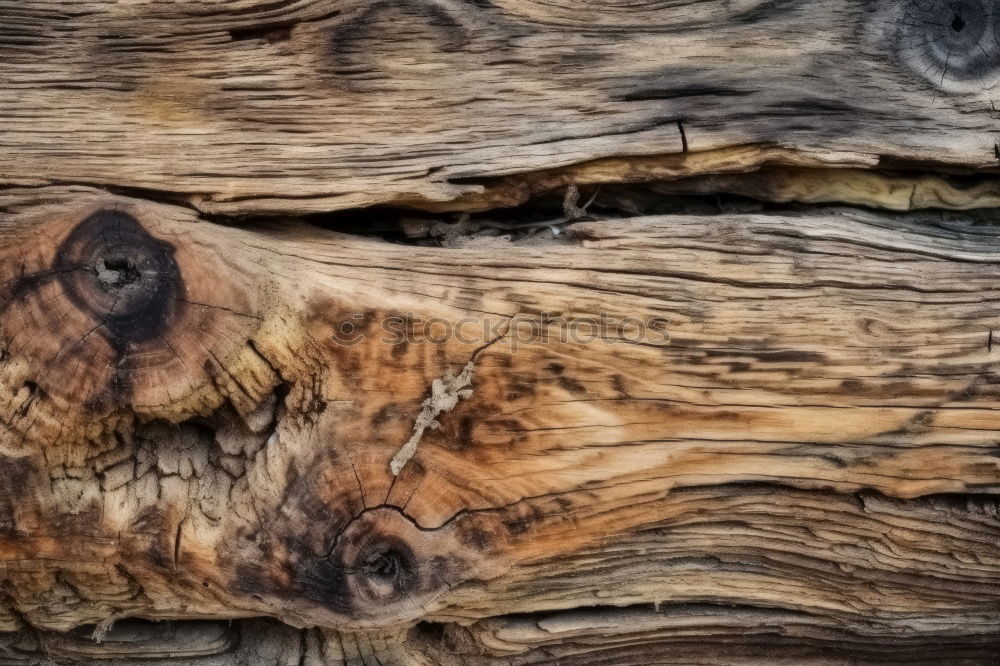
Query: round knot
123	278
955	44
385	569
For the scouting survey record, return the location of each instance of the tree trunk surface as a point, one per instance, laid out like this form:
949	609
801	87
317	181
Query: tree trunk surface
265	399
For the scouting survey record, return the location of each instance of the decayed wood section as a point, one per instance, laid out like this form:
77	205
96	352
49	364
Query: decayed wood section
312	105
678	437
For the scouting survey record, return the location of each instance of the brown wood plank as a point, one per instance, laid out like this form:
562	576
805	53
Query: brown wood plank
314	105
664	634
198	421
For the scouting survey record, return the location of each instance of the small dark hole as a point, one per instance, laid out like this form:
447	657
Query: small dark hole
116	272
958	23
386	565
433	631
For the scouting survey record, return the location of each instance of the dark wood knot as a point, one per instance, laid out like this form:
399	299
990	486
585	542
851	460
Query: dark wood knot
385	570
113	270
951	42
384	567
388	561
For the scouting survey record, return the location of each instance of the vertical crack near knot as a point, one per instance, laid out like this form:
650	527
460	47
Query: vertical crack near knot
177	540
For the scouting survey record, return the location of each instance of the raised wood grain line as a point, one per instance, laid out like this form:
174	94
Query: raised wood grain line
681	634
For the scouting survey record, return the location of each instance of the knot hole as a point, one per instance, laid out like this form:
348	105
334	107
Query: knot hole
116	272
385	566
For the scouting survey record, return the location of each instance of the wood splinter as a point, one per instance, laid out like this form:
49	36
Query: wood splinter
446	391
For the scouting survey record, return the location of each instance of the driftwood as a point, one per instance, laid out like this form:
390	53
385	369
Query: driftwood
233	433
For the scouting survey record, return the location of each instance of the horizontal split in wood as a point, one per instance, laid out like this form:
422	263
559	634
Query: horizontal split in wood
698	634
890	191
668	634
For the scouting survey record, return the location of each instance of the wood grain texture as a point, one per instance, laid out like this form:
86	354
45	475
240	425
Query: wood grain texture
686	634
793	415
859	187
314	105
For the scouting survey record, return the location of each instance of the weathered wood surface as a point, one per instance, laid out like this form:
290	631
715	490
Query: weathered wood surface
736	438
684	635
314	105
198	422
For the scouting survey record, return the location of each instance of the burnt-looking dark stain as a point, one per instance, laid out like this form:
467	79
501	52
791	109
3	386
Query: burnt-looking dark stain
618	385
399	349
851	384
518	525
571	385
475	538
268	33
155	522
917	423
465	427
519	388
790	356
384	414
23	285
325	583
116	272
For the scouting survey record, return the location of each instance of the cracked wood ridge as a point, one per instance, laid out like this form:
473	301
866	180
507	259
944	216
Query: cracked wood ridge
231	434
